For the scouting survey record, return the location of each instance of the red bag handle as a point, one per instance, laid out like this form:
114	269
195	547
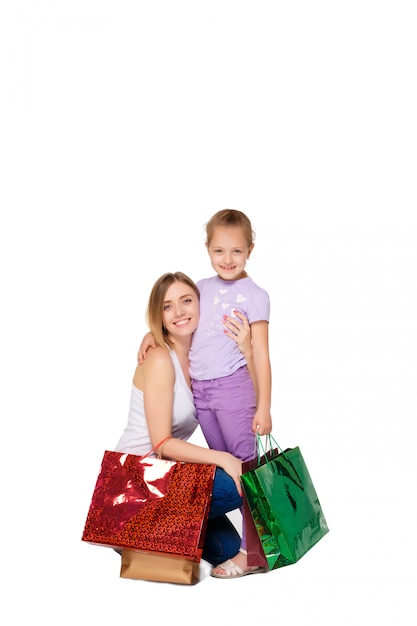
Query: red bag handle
156	447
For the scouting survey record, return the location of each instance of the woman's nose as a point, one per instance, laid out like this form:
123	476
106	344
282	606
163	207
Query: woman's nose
179	310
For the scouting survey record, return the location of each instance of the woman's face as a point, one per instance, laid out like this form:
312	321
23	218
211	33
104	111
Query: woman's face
181	310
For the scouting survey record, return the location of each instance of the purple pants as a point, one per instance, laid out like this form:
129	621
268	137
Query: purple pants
225	410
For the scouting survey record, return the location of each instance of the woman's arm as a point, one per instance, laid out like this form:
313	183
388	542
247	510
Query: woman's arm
238	331
184	451
156	379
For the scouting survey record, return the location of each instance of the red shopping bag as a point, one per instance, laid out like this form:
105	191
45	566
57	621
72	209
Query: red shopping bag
150	504
256	554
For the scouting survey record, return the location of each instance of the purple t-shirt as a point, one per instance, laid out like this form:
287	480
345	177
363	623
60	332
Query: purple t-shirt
213	354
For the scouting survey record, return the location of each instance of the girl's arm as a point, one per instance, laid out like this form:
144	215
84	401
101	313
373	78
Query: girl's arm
147	342
262	421
240	332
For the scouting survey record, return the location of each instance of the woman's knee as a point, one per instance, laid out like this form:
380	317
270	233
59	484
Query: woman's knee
225	496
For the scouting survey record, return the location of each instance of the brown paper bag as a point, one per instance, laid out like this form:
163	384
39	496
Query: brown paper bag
159	567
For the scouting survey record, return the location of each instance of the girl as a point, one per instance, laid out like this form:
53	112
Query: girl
232	394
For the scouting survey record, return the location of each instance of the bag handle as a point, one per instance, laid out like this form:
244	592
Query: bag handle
161	447
264	450
158	445
269	441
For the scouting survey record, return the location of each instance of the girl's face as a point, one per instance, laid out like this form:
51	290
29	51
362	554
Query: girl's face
229	251
181	310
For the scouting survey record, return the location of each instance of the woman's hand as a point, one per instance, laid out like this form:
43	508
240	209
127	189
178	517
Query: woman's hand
239	332
232	466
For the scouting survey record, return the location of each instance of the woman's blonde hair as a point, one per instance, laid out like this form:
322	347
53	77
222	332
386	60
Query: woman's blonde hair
230	218
155	310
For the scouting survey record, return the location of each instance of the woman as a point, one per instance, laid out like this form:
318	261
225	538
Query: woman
162	406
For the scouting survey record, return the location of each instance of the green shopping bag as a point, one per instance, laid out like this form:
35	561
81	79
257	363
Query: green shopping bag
284	505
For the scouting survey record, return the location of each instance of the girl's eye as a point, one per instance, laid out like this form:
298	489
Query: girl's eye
167	307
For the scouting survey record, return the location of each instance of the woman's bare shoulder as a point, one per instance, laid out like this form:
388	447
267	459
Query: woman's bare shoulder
158	362
156	358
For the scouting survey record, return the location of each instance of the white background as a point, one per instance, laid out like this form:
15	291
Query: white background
125	126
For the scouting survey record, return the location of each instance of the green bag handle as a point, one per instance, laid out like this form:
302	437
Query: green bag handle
270	440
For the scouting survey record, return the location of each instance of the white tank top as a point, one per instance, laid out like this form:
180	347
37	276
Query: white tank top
135	438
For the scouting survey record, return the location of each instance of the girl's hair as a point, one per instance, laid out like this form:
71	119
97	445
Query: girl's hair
154	312
230	218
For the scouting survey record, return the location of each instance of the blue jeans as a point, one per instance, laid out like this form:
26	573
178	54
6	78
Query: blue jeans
222	541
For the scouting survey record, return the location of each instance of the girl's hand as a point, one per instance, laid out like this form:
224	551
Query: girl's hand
147	342
262	423
239	332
